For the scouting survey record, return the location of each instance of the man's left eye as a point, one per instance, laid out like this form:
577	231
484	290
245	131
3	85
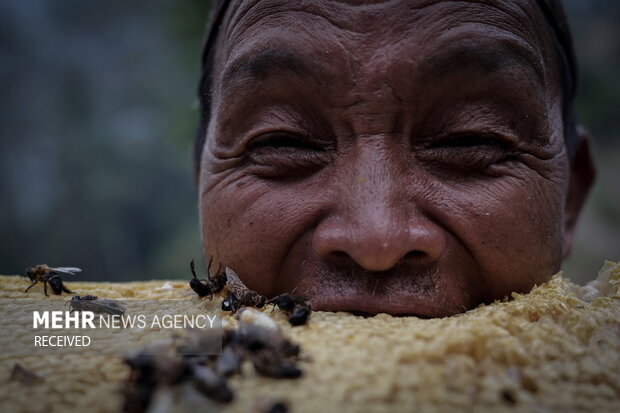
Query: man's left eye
472	141
470	151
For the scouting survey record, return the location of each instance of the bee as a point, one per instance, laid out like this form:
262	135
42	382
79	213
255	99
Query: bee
209	286
43	273
271	353
230	303
269	364
298	308
140	384
228	363
96	305
262	405
160	369
19	373
240	295
211	384
164	371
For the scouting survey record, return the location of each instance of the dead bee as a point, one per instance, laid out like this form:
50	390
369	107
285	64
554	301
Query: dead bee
262	405
298	308
269	364
210	383
19	373
141	383
230	303
43	273
96	305
240	295
228	363
272	354
278	407
209	286
152	373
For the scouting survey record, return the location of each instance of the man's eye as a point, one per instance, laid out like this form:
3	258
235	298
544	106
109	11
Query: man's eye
281	141
470	152
282	154
473	141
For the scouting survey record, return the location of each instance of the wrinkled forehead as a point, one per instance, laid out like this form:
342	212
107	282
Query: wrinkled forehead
324	30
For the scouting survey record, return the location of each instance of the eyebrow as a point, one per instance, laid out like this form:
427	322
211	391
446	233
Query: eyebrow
258	66
486	59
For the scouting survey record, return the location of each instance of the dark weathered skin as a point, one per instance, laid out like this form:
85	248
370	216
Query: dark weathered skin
404	157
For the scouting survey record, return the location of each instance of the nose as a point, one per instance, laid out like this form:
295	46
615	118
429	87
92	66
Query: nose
379	240
379	221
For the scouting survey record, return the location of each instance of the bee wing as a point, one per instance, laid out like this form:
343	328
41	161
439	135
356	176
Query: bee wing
66	270
102	305
234	283
110	306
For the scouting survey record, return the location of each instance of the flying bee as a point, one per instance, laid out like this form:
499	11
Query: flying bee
298	308
96	305
43	273
209	286
240	295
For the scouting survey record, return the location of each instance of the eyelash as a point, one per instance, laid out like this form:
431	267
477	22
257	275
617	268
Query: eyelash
281	141
472	141
468	151
284	154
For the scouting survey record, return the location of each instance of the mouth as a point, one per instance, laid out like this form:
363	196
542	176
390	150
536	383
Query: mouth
427	294
361	303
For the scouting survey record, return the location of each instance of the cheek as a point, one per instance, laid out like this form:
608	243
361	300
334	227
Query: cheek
512	228
251	225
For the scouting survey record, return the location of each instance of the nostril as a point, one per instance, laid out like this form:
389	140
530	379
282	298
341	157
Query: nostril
340	254
339	258
415	255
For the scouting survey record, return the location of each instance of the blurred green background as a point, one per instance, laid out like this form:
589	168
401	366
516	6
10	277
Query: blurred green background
98	114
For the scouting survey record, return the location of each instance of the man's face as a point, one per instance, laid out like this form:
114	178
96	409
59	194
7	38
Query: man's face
400	157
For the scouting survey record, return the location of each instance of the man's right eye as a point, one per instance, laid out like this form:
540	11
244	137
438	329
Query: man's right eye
284	154
280	141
